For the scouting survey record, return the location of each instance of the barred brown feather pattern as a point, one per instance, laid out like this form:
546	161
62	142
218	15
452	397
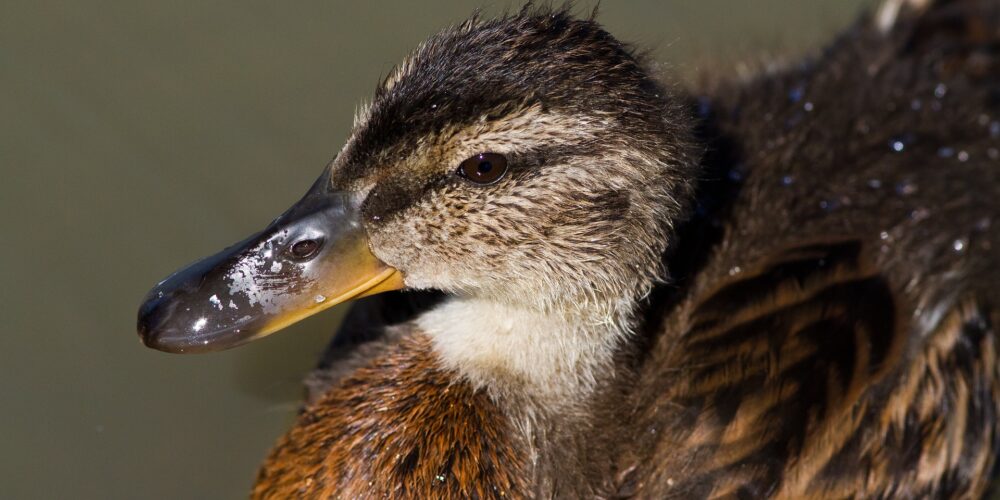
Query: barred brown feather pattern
862	363
799	379
399	427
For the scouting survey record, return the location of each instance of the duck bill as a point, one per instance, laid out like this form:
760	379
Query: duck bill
312	257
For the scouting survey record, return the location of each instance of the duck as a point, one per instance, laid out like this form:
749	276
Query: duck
574	280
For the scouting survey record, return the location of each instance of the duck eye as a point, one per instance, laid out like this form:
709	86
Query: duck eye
483	168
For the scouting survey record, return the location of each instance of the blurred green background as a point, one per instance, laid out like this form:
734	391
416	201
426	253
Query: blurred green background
136	136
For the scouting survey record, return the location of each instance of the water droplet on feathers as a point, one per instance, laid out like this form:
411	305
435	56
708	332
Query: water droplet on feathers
796	93
906	187
919	214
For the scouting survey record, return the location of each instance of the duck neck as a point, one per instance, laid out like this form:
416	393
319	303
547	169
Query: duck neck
556	358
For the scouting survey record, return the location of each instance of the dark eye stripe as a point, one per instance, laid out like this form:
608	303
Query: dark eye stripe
483	168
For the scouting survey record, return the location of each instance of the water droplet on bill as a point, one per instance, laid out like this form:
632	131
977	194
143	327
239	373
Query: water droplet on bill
199	324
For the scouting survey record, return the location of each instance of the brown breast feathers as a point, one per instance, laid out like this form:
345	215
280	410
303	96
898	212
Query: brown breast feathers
400	427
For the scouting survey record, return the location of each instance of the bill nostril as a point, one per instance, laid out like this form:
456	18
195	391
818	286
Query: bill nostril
304	249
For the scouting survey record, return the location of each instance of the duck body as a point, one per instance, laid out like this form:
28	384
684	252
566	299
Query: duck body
829	331
835	334
779	287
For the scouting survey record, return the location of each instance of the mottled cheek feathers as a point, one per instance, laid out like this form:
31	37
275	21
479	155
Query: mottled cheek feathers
529	159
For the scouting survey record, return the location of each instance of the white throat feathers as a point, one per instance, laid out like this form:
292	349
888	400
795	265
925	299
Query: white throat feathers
555	356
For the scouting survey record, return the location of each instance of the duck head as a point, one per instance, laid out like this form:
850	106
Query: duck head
527	160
